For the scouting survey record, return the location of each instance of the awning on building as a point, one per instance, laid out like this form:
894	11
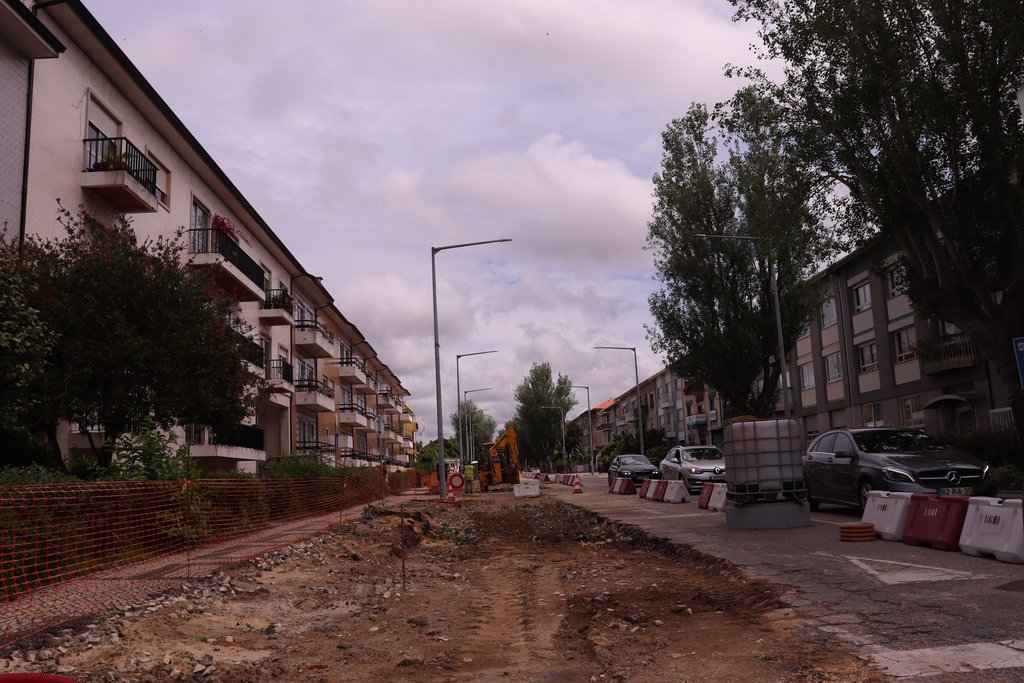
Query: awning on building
944	399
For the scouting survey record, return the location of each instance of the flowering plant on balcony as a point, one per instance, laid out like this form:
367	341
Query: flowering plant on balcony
225	225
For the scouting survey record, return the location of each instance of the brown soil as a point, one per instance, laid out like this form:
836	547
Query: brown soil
495	589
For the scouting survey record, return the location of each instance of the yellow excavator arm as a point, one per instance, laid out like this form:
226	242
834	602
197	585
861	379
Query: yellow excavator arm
502	465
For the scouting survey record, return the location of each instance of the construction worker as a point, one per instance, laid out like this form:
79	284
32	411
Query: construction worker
469	473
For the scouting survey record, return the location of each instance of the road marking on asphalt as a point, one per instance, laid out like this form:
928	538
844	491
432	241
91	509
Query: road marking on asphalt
933	661
892	573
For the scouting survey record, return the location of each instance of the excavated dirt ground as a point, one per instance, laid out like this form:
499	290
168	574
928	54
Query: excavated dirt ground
495	589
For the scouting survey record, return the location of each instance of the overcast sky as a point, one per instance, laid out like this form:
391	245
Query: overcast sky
366	132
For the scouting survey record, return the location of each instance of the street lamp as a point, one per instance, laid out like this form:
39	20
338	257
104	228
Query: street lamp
437	359
469	441
565	458
636	373
783	366
590	428
463	444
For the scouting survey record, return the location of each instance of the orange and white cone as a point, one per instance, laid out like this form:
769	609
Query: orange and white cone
577	487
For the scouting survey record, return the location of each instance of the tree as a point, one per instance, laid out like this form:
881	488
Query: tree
910	105
714	317
481	431
140	335
426	464
538	427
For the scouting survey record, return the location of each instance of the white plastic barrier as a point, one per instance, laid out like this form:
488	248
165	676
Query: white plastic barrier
530	490
718	497
887	510
676	492
993	527
652	490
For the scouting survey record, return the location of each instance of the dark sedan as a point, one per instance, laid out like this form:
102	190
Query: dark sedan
843	465
635	467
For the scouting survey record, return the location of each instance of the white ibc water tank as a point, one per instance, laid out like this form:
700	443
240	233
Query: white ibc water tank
763	456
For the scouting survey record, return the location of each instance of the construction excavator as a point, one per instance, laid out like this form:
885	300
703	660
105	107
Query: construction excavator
502	462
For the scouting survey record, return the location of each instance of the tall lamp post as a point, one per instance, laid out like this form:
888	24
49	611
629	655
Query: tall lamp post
781	350
437	358
565	457
464	394
590	428
636	373
463	444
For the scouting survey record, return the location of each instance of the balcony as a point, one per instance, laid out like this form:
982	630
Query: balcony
698	420
352	372
317	395
386	402
949	352
321	450
405	418
312	338
351	415
277	309
243	442
121	174
233	269
279	376
253	354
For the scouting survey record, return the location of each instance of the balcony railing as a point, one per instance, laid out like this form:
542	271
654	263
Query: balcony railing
118	154
280	369
311	384
278	298
240	436
252	351
212	241
949	352
351	408
357	362
307	325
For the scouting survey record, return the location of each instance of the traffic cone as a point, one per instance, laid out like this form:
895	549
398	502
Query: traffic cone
577	487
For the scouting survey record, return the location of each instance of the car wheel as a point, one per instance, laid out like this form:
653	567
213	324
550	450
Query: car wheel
864	488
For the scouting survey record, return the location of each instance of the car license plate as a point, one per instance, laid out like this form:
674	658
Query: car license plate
957	491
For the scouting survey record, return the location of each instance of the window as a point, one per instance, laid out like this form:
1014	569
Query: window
163	181
807	376
199	234
828	312
861	297
912	415
894	285
906	344
868	354
843	443
871	414
833	367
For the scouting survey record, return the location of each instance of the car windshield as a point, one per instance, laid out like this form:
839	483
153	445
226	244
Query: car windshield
633	461
896	441
703	454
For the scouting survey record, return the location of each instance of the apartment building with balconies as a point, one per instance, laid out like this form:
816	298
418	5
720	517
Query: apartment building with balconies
103	139
868	359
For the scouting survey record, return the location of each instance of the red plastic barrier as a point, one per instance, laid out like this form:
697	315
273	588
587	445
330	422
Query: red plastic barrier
659	491
623	486
936	521
642	493
705	496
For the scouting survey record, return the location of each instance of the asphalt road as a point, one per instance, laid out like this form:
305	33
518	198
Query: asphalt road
917	612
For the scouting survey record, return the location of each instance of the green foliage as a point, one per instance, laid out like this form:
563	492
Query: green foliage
995	445
138	333
460	534
25	341
482	430
19	448
301	467
34	474
910	107
714	314
538	426
427	463
148	453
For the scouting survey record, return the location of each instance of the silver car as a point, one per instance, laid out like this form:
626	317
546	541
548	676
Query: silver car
696	465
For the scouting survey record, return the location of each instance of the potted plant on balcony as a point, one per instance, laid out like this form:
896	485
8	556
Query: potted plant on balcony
112	160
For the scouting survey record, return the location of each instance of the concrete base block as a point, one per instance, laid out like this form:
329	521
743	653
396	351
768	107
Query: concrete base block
787	515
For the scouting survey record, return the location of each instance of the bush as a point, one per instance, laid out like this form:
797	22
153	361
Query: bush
1008	478
34	474
303	467
997	446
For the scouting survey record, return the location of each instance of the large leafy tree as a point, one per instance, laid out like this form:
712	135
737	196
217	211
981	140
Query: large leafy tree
139	334
910	104
479	425
538	424
25	341
734	209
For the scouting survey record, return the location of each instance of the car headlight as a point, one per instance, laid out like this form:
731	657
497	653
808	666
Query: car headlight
986	472
893	474
694	470
625	473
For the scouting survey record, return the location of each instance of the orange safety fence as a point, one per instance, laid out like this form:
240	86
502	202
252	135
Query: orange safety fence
72	550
